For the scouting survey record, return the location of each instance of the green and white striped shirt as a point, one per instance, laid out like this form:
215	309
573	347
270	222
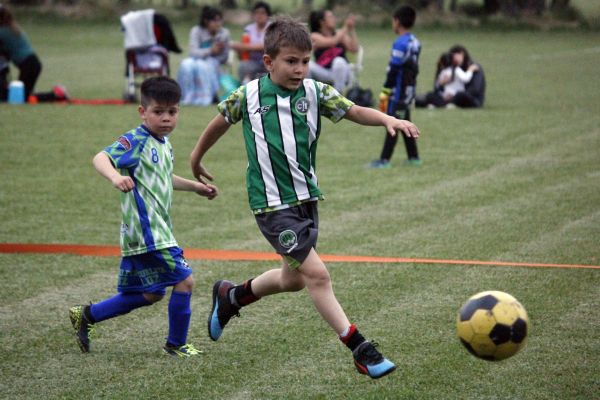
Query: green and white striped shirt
281	129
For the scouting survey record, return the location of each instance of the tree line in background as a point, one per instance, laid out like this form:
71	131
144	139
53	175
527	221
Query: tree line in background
506	7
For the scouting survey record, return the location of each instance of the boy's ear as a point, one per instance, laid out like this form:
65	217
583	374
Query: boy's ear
268	61
141	110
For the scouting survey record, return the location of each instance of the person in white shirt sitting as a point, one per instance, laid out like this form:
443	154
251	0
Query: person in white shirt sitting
459	82
251	49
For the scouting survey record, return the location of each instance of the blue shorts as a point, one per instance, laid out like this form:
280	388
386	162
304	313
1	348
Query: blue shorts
153	272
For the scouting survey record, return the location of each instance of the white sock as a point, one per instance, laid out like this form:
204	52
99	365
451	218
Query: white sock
346	331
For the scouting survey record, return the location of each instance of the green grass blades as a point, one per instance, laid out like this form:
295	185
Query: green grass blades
516	181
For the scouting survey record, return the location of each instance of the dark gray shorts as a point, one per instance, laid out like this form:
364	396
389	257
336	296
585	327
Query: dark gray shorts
292	231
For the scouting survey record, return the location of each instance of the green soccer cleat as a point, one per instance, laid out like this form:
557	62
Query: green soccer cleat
414	162
185	350
83	328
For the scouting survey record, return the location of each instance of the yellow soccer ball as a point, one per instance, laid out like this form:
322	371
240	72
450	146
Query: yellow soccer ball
492	325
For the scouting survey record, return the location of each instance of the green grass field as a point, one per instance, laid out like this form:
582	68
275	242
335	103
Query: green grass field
517	181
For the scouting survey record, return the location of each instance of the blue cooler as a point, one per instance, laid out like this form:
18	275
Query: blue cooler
16	92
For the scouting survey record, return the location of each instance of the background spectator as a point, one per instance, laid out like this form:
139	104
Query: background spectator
251	49
329	46
459	82
199	73
474	94
15	47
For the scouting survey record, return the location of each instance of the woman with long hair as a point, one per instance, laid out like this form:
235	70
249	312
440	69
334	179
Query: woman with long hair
459	82
330	46
473	94
199	73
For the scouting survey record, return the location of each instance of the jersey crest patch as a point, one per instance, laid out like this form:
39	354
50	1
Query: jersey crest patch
124	142
302	105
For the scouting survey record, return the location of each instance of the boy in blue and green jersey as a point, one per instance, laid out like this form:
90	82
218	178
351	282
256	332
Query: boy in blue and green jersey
280	115
399	87
140	165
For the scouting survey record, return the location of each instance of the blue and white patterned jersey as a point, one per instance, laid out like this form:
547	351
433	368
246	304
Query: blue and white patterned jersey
146	224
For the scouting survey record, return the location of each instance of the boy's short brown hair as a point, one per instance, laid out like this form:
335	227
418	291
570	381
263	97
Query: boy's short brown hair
162	89
286	32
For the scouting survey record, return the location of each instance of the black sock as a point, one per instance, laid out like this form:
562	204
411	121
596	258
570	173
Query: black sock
88	314
353	339
242	295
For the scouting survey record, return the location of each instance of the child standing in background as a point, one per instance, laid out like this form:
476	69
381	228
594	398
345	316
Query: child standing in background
399	88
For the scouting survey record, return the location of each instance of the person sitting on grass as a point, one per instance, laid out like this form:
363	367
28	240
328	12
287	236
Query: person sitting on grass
450	80
140	164
280	116
474	94
15	47
200	72
331	64
462	85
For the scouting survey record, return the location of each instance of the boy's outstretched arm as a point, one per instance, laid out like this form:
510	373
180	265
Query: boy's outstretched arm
369	116
104	166
203	189
215	129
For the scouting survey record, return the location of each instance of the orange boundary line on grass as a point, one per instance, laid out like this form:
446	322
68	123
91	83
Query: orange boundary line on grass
238	255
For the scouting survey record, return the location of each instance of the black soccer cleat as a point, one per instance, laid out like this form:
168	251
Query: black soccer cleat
370	362
83	328
222	309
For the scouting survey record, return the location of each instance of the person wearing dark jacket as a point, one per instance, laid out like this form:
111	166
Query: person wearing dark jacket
15	47
473	95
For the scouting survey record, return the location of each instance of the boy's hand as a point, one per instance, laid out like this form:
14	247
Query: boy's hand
200	173
394	125
207	190
123	183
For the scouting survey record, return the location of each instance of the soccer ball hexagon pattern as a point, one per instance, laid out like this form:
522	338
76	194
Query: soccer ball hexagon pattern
492	325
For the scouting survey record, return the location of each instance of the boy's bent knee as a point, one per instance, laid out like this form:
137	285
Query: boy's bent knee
186	285
153	297
322	279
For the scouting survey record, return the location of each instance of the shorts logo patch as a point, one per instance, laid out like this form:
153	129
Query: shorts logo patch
124	142
184	263
288	239
302	105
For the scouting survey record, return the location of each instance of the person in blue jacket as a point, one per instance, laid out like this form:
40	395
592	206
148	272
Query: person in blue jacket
399	88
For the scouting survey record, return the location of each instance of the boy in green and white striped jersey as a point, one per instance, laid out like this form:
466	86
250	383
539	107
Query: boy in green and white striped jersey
280	115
